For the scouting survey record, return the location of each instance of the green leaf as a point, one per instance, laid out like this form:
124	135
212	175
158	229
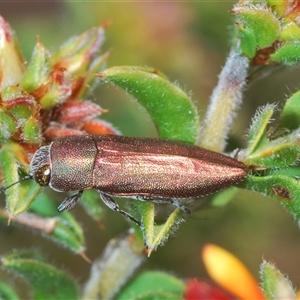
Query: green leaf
147	211
264	25
274	284
37	69
258	130
155	235
280	187
46	281
262	22
18	104
68	232
7	293
28	191
55	95
9	166
288	54
171	109
292	171
281	152
44	206
7	126
153	285
290	115
248	42
32	131
275	154
290	31
20	196
222	198
64	228
90	200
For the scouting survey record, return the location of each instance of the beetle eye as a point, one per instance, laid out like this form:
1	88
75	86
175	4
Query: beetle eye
42	175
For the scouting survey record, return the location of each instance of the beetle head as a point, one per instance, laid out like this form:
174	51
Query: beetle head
40	169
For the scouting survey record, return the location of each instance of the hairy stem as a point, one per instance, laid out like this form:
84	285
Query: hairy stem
225	100
121	257
46	225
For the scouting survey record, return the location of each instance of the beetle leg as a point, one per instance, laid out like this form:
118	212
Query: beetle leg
174	203
163	200
70	202
109	201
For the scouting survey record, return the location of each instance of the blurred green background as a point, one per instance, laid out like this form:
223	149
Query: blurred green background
188	41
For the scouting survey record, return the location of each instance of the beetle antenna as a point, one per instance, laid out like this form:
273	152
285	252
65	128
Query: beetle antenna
23	179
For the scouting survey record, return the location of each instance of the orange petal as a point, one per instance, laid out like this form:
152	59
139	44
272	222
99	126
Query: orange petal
99	127
230	273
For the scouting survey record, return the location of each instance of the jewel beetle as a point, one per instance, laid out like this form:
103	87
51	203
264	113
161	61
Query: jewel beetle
143	168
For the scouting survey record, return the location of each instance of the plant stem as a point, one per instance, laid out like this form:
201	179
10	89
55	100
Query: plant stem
121	257
224	102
